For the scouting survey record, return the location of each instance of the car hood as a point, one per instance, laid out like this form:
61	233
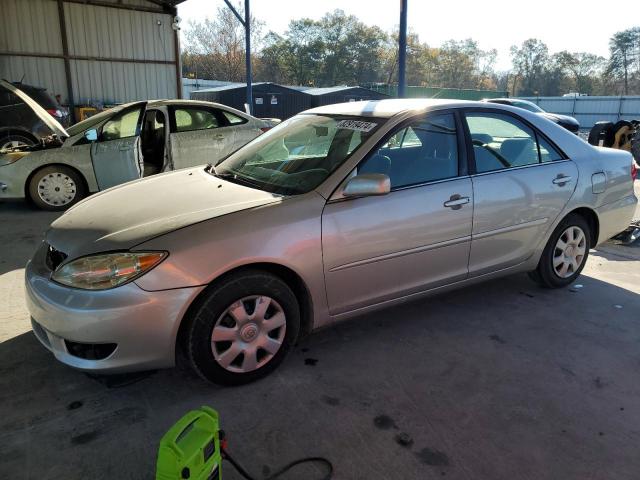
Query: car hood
124	216
47	119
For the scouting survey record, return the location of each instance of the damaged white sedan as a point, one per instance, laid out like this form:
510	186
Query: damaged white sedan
119	145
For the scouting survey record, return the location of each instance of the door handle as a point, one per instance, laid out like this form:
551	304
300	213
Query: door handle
561	180
219	136
125	148
456	202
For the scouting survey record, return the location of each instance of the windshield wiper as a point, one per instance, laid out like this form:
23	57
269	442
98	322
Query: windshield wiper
235	178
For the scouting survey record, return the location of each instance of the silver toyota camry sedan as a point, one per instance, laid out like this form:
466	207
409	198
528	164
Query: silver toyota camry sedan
338	211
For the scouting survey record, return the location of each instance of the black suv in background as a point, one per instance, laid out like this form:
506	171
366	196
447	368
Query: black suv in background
19	125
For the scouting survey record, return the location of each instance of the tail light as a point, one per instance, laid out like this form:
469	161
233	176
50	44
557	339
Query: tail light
54	112
634	170
265	129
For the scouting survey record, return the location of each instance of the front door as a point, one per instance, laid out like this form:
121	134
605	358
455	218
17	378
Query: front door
199	135
415	238
116	155
521	184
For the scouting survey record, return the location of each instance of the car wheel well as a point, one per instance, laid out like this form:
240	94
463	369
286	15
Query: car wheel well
291	278
592	220
22	133
31	175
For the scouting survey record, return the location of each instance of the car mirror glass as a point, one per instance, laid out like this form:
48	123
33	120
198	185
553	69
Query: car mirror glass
366	185
91	135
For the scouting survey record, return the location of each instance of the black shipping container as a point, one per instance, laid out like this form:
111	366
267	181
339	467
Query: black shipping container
270	100
330	95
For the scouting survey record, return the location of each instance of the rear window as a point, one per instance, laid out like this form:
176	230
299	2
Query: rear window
232	118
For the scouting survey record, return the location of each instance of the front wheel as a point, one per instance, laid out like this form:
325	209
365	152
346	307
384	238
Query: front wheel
565	254
241	329
56	188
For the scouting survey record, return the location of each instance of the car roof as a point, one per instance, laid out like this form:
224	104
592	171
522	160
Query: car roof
202	103
389	107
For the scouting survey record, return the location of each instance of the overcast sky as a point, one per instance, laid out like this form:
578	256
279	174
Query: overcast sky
561	24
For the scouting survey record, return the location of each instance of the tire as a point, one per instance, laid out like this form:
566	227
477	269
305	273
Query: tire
635	146
15	140
238	357
601	130
549	276
56	188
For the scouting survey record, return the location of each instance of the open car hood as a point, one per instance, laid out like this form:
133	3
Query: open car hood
48	120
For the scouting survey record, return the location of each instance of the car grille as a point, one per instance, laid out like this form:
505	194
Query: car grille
54	258
40	332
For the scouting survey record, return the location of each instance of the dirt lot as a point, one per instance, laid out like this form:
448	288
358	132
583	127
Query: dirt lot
498	381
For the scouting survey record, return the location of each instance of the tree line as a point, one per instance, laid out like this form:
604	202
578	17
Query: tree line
339	49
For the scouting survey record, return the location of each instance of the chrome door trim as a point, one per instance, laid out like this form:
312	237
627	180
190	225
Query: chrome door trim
511	228
511	169
402	253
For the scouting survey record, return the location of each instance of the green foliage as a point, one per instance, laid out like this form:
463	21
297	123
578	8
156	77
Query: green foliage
338	49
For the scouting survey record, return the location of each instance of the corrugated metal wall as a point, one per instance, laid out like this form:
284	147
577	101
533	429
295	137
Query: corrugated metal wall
95	34
589	110
42	37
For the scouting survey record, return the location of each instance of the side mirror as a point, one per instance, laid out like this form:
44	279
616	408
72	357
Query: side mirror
91	135
367	185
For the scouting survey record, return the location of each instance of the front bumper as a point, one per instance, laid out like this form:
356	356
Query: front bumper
143	325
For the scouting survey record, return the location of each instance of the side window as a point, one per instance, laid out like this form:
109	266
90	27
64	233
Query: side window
424	151
548	153
502	141
232	118
122	125
188	119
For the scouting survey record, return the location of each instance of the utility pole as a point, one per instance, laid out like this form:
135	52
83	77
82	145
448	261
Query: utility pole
246	23
402	50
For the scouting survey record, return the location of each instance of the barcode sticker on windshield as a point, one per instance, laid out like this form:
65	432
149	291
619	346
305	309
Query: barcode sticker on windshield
357	125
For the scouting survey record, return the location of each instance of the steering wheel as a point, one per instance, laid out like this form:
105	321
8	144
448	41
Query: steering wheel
505	163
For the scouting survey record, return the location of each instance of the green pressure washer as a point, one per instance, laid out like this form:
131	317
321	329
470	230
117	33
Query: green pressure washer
191	448
195	447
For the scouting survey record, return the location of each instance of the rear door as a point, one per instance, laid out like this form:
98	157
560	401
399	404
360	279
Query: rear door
199	135
521	183
246	129
116	155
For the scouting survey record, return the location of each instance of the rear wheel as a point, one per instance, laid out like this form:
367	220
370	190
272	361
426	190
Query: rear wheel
242	328
56	188
565	254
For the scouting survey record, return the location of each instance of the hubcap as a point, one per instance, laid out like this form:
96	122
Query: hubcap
569	252
56	189
248	334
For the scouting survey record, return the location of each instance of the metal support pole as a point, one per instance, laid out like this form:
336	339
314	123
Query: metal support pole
247	39
67	63
402	52
246	23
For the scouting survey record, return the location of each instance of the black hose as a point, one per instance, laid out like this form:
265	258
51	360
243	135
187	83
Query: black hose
284	469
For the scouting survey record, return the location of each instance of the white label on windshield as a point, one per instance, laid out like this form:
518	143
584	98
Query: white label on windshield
357	125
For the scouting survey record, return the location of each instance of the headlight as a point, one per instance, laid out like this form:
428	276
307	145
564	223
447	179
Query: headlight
109	270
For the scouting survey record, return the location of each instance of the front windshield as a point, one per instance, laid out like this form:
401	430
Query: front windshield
299	154
532	107
94	120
